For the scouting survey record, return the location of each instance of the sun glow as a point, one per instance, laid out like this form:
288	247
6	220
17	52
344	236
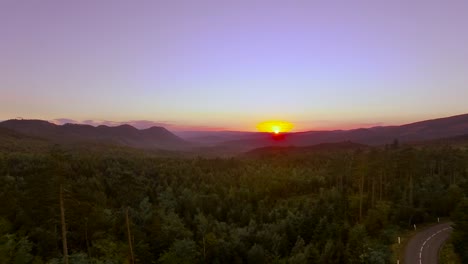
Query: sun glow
275	127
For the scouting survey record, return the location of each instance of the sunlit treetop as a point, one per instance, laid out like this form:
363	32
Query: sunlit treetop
275	127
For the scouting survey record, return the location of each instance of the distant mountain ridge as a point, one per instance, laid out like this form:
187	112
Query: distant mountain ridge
235	142
150	138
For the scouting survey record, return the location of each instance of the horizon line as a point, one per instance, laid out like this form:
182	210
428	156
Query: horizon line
202	128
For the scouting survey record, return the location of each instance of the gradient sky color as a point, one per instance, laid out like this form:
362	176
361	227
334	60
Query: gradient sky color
232	64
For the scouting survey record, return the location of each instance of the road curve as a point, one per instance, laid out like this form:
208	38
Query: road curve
423	248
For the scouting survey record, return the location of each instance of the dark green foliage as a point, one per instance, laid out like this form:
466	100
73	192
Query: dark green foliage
181	252
339	206
460	233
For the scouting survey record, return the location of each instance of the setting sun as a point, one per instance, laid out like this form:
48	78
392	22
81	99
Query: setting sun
275	127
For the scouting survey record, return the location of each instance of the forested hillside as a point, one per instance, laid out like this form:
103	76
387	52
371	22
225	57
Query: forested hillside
341	206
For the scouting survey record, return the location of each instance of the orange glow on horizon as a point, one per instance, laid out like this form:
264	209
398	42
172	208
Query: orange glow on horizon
275	127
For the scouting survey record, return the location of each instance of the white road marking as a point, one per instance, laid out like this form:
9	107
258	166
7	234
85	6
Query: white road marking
429	238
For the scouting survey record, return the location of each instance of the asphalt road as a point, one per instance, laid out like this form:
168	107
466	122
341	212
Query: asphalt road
423	248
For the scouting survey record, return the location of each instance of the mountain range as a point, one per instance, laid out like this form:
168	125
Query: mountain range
448	129
125	135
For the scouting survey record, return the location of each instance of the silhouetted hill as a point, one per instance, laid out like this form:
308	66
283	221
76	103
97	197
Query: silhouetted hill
126	135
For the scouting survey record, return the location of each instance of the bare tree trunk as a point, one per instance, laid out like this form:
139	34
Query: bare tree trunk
132	259
373	191
204	248
341	176
384	185
411	189
431	168
380	186
64	227
86	237
361	196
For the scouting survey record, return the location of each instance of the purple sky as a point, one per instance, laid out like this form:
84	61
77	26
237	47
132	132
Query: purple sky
232	64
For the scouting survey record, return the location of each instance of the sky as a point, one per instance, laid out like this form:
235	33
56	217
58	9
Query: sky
229	65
